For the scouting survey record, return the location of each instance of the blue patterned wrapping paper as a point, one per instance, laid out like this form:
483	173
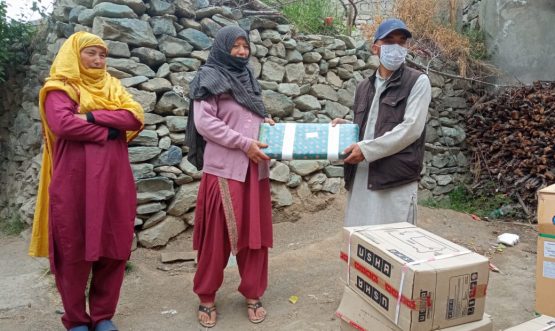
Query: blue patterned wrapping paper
307	141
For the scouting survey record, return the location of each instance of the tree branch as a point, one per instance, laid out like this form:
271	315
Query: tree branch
457	76
261	12
259	5
282	3
355	12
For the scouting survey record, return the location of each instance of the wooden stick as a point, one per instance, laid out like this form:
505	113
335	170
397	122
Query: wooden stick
526	210
457	76
261	12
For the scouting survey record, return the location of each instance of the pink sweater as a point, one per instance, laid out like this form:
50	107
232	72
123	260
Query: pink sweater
229	129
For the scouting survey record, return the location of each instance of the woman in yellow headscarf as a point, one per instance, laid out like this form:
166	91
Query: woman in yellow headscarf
86	202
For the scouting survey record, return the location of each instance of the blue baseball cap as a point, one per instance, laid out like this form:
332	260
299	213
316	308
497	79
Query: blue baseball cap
389	25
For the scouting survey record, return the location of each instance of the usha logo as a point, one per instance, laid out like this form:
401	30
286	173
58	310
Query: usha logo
373	259
473	292
424	299
452	305
373	293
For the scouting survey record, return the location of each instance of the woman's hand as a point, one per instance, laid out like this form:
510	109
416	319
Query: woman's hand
269	120
81	116
255	154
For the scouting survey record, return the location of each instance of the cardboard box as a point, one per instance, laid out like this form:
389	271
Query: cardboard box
484	324
542	323
442	284
545	275
307	141
546	210
356	314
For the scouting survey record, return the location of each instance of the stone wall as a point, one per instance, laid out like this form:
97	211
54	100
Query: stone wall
155	49
471	14
21	138
368	10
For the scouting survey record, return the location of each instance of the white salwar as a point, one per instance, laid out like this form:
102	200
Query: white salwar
397	204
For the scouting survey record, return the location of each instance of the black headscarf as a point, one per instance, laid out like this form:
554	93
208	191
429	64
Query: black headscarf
222	73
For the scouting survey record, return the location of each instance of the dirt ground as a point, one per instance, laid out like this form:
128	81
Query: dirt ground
304	262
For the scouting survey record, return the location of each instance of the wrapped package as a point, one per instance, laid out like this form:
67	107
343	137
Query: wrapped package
307	141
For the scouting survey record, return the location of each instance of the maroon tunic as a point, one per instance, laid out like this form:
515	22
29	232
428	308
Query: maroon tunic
92	192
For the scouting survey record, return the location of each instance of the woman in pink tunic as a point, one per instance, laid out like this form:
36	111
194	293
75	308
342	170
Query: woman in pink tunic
87	116
233	212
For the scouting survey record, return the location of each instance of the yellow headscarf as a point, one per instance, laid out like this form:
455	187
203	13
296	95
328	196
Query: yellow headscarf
91	89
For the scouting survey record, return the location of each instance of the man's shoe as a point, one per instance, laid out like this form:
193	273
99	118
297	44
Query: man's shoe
106	325
79	328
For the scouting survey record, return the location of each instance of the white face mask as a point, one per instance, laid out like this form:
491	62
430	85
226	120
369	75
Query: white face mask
392	56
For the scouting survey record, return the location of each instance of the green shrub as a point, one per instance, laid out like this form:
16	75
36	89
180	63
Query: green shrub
12	227
461	199
477	38
308	15
15	37
129	267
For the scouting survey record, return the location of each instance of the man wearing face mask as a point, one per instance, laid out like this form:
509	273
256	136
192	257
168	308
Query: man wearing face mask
391	106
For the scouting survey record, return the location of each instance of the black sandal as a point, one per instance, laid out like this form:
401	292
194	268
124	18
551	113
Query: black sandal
255	306
208	311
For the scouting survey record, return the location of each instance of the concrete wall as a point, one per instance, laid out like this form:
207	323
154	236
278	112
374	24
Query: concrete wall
520	38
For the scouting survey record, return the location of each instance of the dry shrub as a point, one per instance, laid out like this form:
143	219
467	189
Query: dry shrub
430	37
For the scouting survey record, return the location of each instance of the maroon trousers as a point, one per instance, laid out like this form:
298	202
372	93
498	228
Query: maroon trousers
213	255
232	216
71	280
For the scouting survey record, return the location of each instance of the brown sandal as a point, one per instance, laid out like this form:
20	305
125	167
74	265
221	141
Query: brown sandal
208	311
255	306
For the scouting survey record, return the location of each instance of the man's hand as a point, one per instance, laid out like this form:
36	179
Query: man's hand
355	154
255	154
338	121
269	120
